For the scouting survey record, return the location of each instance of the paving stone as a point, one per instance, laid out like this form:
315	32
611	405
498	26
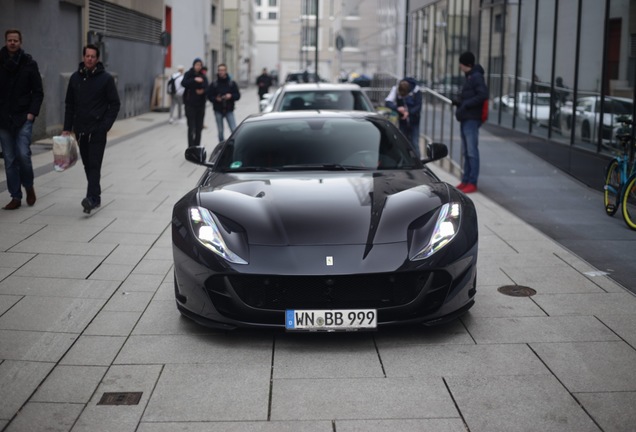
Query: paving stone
128	301
624	325
401	425
18	380
162	318
34	346
552	279
70	384
537	329
210	392
591	366
114	272
450	333
587	304
60	266
50	417
7	301
493	304
48	287
109	323
512	403
468	360
362	398
238	426
614	411
126	254
70	248
14	260
94	351
54	314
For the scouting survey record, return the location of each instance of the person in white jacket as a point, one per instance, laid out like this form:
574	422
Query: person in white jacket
176	99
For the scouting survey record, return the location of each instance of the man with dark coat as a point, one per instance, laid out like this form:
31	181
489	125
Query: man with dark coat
406	100
223	93
92	105
264	82
470	104
21	96
195	83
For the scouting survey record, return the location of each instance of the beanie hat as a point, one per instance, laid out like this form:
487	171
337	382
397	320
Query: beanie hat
197	60
467	59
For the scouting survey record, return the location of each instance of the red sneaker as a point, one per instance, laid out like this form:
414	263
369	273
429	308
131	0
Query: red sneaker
469	188
461	186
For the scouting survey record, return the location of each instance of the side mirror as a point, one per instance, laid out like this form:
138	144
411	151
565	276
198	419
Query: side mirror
435	151
196	155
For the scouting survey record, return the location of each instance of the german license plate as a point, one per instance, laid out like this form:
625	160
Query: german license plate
331	320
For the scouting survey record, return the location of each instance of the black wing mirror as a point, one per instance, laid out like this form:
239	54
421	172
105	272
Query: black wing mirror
435	151
196	155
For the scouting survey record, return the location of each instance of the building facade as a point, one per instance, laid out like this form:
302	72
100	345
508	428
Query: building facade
561	73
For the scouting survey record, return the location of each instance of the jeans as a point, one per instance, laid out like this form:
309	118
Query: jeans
16	147
470	151
195	115
92	148
175	101
412	132
231	122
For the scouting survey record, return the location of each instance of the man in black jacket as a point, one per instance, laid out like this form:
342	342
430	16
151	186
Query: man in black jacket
223	93
92	105
469	111
195	83
21	96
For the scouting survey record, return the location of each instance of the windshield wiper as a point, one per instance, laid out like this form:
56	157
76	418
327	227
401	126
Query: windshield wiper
249	169
327	167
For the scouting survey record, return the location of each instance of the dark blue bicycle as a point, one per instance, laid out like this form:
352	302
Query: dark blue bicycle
620	168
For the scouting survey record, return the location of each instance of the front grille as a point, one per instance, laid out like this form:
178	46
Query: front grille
273	294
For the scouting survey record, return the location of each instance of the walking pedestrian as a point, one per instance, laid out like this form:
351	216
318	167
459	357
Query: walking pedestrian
264	82
21	96
175	90
223	93
92	104
406	100
469	111
195	83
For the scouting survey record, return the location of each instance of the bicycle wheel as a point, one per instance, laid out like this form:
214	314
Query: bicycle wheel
612	188
629	202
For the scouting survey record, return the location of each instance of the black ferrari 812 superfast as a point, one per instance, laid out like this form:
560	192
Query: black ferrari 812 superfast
322	221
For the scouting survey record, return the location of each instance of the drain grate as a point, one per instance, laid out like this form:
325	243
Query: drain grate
517	291
120	398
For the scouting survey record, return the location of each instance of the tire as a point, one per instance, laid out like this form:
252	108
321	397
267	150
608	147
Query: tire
628	201
612	188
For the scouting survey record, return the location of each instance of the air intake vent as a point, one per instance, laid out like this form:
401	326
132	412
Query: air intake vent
116	21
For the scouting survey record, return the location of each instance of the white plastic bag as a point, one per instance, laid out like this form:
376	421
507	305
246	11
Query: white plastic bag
65	152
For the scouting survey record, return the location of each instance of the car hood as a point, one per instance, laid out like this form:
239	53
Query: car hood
325	208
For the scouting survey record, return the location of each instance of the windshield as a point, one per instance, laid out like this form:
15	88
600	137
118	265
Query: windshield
317	143
348	100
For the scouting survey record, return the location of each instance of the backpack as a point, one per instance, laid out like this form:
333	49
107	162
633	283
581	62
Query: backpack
172	87
484	111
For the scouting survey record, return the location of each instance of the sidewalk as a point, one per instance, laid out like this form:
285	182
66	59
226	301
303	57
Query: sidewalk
87	308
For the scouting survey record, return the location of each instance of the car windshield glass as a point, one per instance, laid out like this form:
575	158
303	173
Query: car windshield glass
325	100
317	143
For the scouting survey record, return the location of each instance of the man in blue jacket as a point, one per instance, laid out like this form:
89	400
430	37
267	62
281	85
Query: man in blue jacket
406	100
469	114
92	105
21	96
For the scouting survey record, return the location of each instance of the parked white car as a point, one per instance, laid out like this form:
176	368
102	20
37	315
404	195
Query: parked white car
541	106
587	118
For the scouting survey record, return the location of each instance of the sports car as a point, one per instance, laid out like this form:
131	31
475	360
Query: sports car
322	221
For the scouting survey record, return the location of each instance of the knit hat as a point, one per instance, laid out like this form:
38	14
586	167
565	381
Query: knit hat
197	60
467	59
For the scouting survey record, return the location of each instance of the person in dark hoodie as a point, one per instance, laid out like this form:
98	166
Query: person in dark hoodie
406	100
195	83
21	96
223	93
469	114
92	104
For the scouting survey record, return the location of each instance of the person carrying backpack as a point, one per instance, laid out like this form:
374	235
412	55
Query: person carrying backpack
469	113
175	90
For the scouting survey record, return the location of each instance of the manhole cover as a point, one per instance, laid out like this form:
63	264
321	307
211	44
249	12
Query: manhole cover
121	398
516	291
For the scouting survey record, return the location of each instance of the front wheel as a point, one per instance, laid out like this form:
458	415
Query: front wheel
612	188
629	202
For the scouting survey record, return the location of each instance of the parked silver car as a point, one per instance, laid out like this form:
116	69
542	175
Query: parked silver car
317	96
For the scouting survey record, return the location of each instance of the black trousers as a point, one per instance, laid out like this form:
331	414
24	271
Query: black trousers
195	115
92	148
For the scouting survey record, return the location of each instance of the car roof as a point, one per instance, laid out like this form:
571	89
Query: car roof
293	87
310	114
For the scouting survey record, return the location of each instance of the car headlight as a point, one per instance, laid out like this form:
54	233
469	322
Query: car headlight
207	231
446	228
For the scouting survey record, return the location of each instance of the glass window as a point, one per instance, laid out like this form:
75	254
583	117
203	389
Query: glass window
272	16
272	2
